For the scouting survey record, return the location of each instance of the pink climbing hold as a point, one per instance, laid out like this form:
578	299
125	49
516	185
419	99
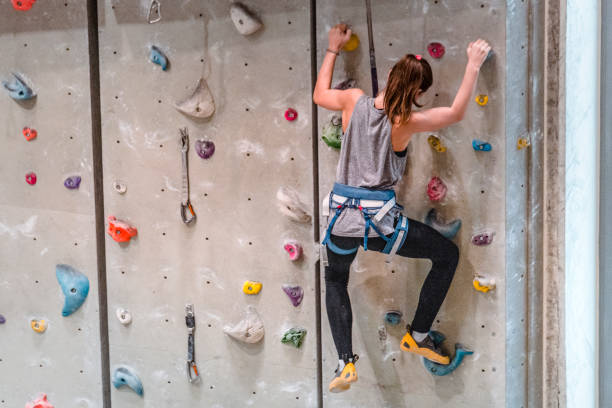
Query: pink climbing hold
31	178
436	189
483	238
41	402
291	114
294	250
435	49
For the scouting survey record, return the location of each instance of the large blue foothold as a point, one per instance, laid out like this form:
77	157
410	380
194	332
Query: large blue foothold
441	369
18	89
448	230
126	376
393	317
158	57
75	286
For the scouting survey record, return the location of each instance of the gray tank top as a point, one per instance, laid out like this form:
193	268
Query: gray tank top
367	160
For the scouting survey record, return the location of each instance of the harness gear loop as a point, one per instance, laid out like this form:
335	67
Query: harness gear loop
154	9
188	218
192	369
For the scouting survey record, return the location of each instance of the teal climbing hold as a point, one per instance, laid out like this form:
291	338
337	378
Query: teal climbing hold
441	369
158	57
18	89
75	287
393	317
294	336
332	133
481	146
125	376
447	229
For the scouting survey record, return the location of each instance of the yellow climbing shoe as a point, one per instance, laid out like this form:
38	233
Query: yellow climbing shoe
426	348
343	379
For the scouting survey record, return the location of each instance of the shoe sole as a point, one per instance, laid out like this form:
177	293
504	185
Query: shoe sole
422	351
340	384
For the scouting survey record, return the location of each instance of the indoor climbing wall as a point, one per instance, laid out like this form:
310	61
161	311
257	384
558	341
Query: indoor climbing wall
239	233
42	222
389	377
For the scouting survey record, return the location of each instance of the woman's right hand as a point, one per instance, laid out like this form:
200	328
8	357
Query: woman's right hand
338	36
477	52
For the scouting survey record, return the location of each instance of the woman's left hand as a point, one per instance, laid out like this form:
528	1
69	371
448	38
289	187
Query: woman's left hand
338	36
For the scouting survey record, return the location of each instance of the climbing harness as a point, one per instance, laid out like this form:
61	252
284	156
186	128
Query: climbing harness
374	205
185	203
192	369
154	10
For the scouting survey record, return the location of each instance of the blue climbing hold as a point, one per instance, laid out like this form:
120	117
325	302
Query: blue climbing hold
18	89
393	317
448	229
158	57
481	146
75	286
126	376
441	369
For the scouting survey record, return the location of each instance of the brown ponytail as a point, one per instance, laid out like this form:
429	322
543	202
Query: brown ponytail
407	77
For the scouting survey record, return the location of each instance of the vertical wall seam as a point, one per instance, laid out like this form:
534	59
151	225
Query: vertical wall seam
315	196
96	138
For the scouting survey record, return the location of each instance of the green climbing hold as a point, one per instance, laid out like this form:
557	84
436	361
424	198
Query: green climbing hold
332	133
294	336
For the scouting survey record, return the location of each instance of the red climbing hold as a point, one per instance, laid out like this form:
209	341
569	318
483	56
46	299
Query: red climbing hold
435	49
436	189
23	5
121	231
291	114
31	178
29	134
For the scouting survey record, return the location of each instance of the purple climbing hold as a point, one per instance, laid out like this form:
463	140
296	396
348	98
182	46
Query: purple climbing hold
204	148
483	238
2	319
295	293
72	182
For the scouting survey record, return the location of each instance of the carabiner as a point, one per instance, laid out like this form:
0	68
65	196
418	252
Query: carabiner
155	8
187	218
192	372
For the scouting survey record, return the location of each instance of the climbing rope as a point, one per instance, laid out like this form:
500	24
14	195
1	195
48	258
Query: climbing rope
192	369
185	203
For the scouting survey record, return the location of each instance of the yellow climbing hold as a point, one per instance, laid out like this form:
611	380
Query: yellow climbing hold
352	43
436	144
483	285
38	326
482	100
522	142
251	287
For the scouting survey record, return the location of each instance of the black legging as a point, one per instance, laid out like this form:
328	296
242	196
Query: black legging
422	241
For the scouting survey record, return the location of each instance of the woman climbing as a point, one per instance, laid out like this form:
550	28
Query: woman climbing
362	203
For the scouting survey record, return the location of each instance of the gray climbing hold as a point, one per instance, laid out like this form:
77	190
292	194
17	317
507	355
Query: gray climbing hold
290	204
295	293
245	21
18	89
250	329
125	376
294	336
200	103
346	84
158	57
75	287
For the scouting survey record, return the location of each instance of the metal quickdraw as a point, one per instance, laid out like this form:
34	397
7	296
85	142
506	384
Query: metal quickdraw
154	12
192	369
188	218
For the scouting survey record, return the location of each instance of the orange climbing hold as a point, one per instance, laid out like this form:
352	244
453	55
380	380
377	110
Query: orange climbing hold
23	5
29	134
352	43
121	231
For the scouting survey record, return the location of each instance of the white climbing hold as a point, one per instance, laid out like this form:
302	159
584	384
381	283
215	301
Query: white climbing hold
250	329
290	204
119	187
124	316
200	103
245	21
